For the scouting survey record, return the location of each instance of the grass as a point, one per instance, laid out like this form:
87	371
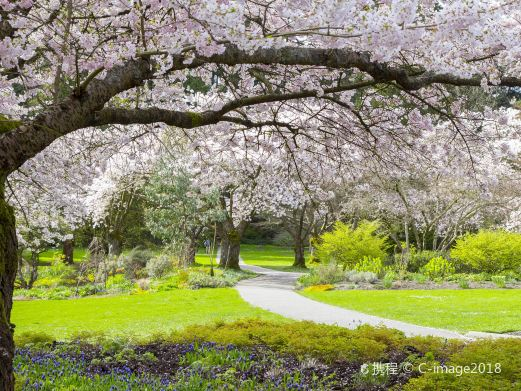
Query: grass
139	315
203	259
272	257
489	310
48	256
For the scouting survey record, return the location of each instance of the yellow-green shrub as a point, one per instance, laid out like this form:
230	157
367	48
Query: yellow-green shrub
438	267
489	251
347	246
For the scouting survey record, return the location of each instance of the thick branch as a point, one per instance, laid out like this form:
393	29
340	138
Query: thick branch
24	142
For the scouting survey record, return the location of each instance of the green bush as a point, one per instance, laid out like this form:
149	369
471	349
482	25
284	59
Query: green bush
389	279
489	251
500	281
506	353
159	266
438	267
368	264
322	275
346	246
418	259
135	262
354	276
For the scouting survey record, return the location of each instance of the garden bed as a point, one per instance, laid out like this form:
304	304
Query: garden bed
404	284
256	355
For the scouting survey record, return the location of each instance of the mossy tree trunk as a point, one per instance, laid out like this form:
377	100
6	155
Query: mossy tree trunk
68	251
8	266
231	244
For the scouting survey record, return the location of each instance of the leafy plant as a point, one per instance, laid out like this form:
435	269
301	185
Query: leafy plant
322	274
135	262
368	264
438	267
389	279
345	246
500	281
463	283
489	251
354	276
159	266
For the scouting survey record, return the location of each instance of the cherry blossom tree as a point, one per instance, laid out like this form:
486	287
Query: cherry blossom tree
336	72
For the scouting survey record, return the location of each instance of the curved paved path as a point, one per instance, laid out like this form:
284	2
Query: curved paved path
273	291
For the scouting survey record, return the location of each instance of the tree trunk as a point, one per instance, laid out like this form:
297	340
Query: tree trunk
230	249
192	250
115	244
300	259
8	265
68	251
225	245
234	250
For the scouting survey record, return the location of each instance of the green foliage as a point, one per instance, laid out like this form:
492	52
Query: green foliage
489	251
354	276
159	266
416	260
328	343
500	281
346	246
321	275
176	208
135	262
389	279
438	267
463	283
506	353
368	264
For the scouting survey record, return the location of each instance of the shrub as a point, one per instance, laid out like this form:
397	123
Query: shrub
463	283
322	274
506	353
283	238
373	265
438	267
489	251
419	278
202	280
159	266
418	259
388	279
500	281
354	276
346	246
135	263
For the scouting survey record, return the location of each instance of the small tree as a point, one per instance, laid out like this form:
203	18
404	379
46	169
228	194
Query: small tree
177	210
347	246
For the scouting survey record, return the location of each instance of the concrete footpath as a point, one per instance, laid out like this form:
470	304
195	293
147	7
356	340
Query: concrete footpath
273	291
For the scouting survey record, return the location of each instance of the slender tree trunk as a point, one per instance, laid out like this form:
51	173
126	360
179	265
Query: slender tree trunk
225	245
68	251
300	260
8	265
192	250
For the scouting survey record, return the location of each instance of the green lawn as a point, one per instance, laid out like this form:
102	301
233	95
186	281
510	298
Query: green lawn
273	257
492	310
49	255
139	315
